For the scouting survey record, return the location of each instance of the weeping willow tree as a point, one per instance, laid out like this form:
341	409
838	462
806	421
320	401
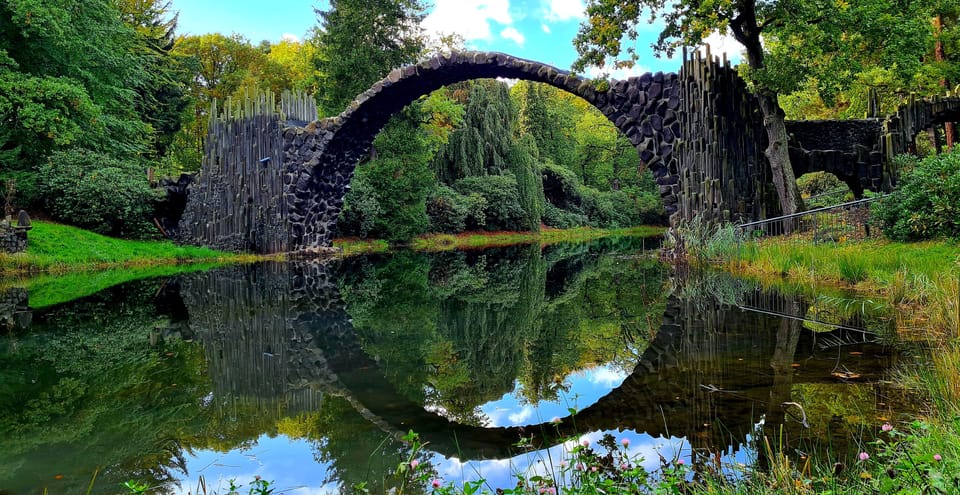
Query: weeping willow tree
487	144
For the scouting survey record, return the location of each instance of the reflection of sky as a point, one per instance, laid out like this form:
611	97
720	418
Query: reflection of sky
290	465
586	388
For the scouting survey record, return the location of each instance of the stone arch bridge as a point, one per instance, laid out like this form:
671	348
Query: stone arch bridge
275	181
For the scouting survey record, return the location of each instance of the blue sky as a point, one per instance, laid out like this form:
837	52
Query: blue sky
541	30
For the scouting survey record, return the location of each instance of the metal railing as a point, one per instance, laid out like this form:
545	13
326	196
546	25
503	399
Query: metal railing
835	223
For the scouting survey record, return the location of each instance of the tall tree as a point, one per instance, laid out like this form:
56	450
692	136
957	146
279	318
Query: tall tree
359	41
483	146
161	96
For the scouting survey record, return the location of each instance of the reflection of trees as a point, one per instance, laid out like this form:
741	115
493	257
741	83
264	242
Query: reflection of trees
355	449
456	330
84	389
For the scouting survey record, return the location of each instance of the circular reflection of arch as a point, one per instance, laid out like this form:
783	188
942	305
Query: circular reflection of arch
643	108
676	388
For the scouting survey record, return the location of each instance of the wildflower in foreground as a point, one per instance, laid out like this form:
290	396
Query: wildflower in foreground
625	442
679	462
414	463
585	443
937	457
555	420
864	456
886	427
435	483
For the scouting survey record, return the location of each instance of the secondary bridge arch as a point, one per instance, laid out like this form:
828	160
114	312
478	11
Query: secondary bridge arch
645	109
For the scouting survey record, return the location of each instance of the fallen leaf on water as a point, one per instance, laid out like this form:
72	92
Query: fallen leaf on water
846	375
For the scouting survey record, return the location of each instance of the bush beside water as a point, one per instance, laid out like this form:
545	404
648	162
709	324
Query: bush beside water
926	203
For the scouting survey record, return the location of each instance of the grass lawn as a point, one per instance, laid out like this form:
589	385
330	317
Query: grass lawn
55	248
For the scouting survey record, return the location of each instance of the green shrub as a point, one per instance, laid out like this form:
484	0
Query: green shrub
562	219
99	193
502	210
926	203
821	189
450	211
607	209
360	209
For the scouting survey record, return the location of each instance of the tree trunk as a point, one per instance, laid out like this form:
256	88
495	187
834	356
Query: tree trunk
746	30
778	154
949	129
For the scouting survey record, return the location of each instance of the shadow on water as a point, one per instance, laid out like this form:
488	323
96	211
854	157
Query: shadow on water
344	354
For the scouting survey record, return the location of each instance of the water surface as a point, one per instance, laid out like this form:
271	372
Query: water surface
309	374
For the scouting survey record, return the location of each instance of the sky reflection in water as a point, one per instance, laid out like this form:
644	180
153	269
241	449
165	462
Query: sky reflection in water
290	464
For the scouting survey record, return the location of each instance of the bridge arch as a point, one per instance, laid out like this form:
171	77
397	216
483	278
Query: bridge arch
644	108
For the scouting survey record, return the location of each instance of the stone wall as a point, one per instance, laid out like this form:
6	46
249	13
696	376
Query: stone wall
13	238
236	203
15	313
722	173
849	149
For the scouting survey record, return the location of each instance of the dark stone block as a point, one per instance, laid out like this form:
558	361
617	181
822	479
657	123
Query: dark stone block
654	91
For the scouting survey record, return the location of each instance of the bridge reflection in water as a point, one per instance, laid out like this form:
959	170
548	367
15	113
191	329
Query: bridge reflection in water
712	373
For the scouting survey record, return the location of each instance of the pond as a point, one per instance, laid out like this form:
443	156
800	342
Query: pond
309	374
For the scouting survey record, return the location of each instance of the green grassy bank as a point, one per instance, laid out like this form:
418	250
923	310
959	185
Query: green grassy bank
55	248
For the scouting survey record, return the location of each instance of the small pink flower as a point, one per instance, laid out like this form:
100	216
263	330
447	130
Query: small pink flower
864	456
564	464
257	477
625	442
414	463
679	462
551	490
585	443
594	469
579	467
435	483
555	420
886	427
937	457
624	466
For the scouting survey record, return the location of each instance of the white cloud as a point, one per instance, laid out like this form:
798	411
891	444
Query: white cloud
520	417
721	44
606	376
564	10
468	18
618	74
511	33
545	28
289	37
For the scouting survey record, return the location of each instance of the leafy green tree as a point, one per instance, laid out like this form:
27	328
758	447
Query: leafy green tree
359	41
391	202
485	142
688	23
161	96
68	73
548	115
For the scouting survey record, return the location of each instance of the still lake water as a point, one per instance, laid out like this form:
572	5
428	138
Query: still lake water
309	374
